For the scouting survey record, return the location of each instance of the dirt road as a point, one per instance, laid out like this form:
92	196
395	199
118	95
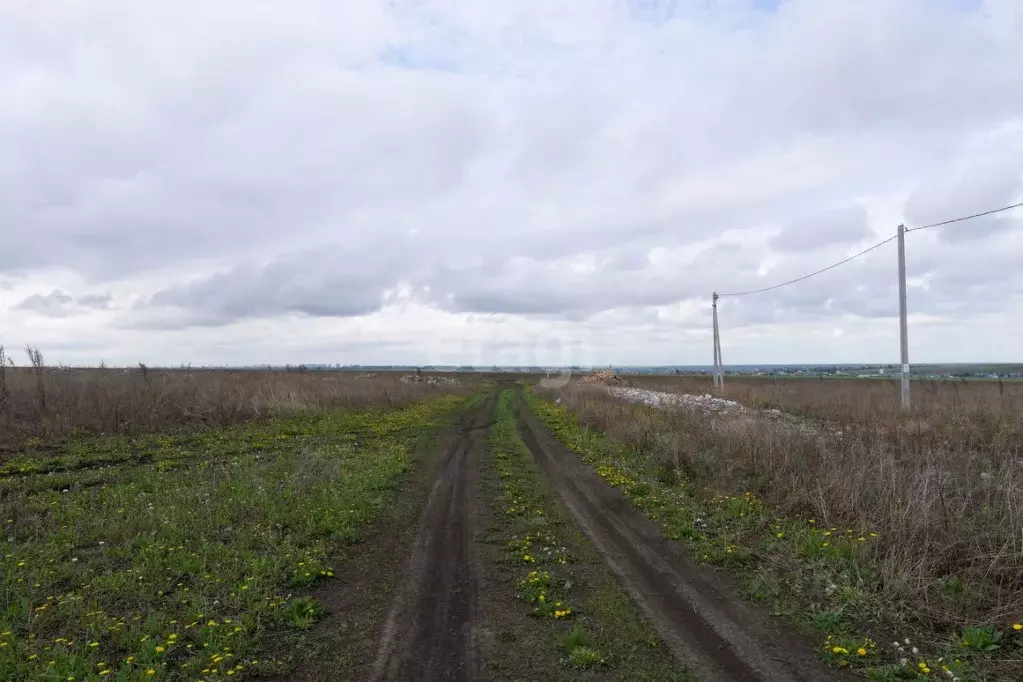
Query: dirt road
700	618
434	629
428	634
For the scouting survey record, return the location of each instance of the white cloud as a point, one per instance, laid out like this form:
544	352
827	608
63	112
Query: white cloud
343	178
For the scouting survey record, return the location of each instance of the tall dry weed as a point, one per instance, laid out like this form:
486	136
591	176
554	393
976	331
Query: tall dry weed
49	403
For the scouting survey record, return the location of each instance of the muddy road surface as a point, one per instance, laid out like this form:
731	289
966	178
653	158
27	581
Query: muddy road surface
428	634
698	615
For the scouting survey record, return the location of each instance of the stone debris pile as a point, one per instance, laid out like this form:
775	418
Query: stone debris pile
428	379
733	413
700	403
603	377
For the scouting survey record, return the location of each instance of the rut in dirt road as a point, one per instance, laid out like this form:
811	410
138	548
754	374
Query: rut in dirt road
706	626
429	633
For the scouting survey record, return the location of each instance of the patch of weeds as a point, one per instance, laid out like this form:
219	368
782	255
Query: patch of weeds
583	657
917	668
579	649
760	587
300	613
954	592
832	622
848	650
981	639
575	637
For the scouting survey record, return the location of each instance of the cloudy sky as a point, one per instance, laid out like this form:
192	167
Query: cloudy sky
455	181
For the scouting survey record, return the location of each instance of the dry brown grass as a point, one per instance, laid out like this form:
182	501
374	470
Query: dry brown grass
942	487
53	402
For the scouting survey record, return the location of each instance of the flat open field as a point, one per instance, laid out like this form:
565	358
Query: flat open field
332	526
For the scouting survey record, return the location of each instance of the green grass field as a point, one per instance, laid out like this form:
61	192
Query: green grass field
185	556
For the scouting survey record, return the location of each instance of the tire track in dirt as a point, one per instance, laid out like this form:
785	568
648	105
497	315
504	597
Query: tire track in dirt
704	623
428	634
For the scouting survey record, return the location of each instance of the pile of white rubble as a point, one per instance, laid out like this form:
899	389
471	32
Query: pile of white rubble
732	412
700	403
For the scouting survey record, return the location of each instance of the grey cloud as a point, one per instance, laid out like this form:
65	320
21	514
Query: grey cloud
332	281
295	132
54	304
628	259
171	318
978	229
838	226
59	303
229	156
96	301
992	181
887	82
556	288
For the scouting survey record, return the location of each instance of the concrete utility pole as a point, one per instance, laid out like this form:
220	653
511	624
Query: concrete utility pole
903	322
721	366
719	374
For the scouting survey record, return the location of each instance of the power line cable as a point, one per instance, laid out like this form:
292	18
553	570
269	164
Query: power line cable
968	217
868	250
812	274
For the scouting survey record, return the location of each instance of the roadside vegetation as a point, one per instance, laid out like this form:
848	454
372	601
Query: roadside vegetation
191	555
571	606
893	538
42	404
